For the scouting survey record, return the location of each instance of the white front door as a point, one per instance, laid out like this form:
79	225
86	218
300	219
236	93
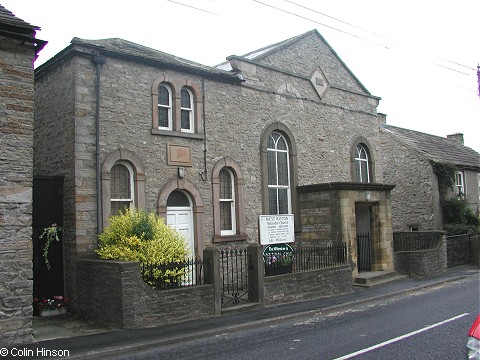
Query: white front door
181	219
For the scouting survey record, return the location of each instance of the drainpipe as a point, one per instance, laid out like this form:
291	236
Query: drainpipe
99	61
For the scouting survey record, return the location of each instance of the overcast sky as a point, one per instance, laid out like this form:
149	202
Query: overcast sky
420	57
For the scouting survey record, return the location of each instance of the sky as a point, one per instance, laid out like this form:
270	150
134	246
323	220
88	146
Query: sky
419	57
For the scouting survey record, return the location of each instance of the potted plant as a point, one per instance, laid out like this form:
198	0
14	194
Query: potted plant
50	234
56	305
277	264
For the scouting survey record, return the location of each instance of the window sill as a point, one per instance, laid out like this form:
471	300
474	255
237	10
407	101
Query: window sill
228	238
178	134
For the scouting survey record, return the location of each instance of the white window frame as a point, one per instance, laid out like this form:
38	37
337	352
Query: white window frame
231	200
359	160
191	129
460	183
131	200
280	187
168	107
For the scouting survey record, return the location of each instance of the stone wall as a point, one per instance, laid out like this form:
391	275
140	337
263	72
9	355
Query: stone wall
414	203
423	263
307	285
16	181
117	296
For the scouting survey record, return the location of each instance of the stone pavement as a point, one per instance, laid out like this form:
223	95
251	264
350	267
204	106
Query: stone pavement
88	341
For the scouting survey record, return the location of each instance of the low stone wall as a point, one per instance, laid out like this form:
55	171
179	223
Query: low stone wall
475	250
422	263
113	293
307	285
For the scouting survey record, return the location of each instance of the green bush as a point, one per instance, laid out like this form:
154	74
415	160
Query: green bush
136	236
458	217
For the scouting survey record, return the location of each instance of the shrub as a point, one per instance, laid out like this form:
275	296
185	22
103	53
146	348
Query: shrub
458	217
136	236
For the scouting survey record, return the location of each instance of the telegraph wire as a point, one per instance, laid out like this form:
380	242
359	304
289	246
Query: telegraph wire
357	36
193	7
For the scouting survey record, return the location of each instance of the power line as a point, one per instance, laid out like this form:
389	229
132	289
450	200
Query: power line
357	36
193	7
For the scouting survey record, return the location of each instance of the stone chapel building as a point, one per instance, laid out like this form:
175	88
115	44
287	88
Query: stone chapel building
286	129
18	50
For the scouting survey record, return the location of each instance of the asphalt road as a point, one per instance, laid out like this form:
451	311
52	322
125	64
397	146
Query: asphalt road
431	324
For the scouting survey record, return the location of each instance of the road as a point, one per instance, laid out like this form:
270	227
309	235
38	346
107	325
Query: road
427	324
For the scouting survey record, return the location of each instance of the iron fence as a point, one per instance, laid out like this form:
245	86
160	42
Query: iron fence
234	265
416	241
306	258
174	275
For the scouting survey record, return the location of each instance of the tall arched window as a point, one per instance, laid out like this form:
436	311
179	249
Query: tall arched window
121	188
186	121
227	202
164	107
279	196
362	164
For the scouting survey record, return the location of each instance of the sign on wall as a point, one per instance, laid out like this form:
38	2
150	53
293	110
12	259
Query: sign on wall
276	229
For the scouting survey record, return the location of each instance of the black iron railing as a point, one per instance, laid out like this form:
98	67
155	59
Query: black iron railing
174	275
306	258
416	241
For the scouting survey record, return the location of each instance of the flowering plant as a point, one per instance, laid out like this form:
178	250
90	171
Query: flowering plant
56	302
275	260
51	235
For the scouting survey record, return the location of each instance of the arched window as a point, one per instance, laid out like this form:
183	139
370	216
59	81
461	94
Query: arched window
123	183
186	121
227	202
164	107
279	195
362	164
121	188
228	197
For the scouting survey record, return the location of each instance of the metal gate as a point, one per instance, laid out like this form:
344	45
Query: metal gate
364	249
235	268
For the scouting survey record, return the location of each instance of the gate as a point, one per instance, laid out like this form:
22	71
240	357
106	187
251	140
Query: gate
364	252
235	268
458	250
47	210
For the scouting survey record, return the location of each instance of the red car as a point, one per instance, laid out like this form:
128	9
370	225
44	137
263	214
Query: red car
473	343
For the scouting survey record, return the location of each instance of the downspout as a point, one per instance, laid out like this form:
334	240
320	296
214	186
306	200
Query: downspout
204	173
99	61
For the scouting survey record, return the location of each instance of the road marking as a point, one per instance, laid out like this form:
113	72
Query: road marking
388	342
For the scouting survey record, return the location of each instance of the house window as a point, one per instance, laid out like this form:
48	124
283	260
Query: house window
228	197
121	188
362	164
460	183
227	202
186	111
164	107
278	175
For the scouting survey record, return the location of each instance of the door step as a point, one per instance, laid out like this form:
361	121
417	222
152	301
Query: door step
240	308
373	278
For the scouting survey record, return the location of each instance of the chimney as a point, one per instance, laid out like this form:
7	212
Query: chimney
458	137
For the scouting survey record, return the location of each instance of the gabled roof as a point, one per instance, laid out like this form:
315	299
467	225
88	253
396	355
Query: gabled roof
16	28
262	53
117	47
8	18
436	148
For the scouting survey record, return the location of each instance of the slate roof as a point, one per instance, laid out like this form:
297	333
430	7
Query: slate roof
8	18
436	148
117	47
261	53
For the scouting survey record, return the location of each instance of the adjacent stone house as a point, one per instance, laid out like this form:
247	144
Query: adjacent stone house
284	129
408	157
18	50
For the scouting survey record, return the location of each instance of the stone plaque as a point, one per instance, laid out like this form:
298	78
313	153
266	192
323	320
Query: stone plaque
179	155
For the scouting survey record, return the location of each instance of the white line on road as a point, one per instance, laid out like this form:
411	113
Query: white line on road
388	342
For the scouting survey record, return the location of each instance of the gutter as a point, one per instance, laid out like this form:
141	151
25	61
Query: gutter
99	61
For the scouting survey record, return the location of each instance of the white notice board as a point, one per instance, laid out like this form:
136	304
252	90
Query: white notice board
276	229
